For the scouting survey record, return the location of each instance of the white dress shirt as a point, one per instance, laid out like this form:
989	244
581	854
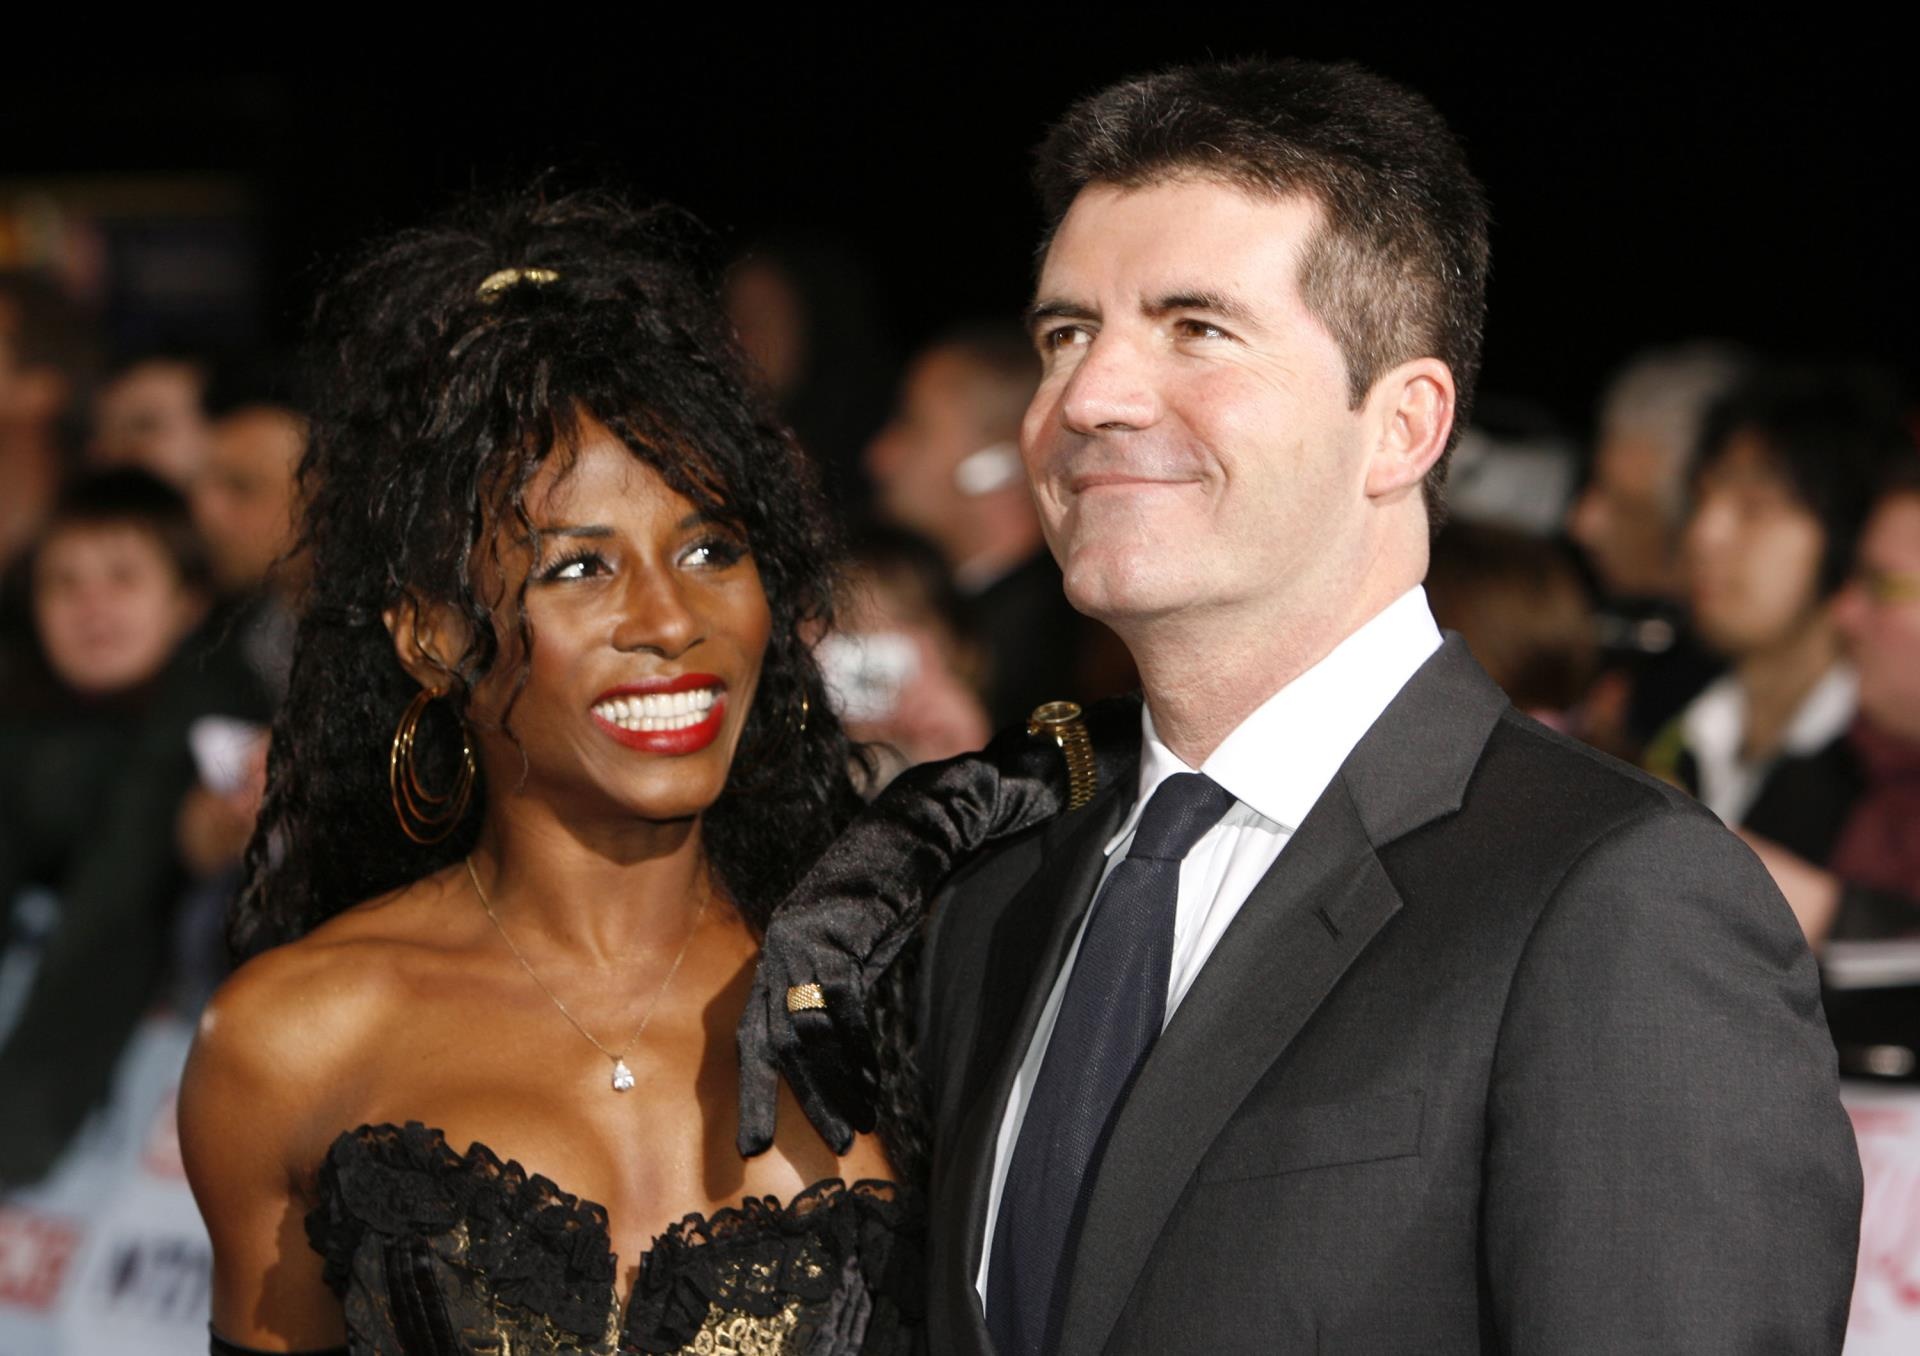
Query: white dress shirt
1714	725
1275	763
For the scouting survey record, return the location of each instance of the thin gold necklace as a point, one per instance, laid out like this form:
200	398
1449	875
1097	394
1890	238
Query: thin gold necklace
622	1075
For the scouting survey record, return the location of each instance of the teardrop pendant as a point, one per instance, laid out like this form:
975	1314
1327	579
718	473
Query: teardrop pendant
622	1076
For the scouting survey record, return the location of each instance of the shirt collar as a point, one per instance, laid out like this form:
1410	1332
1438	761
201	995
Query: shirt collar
1715	722
1279	759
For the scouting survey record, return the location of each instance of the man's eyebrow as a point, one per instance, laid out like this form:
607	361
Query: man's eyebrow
1056	308
1202	299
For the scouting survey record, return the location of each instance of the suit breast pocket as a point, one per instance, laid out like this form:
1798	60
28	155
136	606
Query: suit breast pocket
1265	1144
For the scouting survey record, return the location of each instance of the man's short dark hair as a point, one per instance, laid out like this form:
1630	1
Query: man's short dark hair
1831	433
1397	269
129	497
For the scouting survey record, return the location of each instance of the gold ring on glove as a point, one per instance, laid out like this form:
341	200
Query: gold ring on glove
806	998
1061	720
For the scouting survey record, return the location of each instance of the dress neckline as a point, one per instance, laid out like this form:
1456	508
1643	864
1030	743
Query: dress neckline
426	1148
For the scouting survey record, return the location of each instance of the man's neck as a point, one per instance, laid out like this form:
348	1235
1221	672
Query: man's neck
1204	674
1776	680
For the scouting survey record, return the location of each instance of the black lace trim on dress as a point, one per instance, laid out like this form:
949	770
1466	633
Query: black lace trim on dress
849	1255
832	1242
540	1248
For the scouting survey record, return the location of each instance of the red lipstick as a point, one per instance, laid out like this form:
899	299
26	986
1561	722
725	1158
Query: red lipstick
687	739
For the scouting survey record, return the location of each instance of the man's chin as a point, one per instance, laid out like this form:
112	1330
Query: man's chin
1119	592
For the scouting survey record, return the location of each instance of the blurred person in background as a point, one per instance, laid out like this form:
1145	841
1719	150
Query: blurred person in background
1786	473
947	466
45	353
806	313
901	667
1628	522
1869	884
1519	603
44	357
151	412
93	761
244	500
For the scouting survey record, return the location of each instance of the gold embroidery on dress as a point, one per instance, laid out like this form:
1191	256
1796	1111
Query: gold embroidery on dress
733	1333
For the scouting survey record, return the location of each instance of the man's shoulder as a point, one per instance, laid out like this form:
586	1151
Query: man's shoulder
1535	765
1535	806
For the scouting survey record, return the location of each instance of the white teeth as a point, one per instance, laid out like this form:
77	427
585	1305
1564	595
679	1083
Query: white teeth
653	712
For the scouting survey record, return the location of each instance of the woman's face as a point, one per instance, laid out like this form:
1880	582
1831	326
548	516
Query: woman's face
649	626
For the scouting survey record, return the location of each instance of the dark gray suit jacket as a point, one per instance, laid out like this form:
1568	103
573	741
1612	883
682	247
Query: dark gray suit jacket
1513	1050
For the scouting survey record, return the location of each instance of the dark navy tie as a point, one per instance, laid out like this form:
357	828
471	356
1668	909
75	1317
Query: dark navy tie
1110	1016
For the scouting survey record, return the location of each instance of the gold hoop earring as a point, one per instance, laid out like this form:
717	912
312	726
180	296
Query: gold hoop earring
426	816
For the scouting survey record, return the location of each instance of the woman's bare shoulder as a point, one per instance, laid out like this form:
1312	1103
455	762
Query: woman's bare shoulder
307	1012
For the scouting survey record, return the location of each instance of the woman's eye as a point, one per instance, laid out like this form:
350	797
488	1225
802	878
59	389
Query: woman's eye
575	567
713	553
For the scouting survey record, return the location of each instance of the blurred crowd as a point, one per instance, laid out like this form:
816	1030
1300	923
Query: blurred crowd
1719	581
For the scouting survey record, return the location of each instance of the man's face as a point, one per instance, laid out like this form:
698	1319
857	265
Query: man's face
1879	613
1625	518
243	502
150	417
1190	446
108	605
932	429
1752	552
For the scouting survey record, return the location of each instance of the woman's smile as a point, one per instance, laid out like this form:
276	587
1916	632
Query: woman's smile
669	716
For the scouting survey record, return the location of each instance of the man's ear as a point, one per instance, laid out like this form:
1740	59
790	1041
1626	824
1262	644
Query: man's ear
427	639
1410	409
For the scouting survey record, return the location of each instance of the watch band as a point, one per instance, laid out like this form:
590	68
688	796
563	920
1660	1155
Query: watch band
1061	721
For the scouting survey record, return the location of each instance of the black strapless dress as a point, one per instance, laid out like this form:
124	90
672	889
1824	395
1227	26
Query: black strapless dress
437	1253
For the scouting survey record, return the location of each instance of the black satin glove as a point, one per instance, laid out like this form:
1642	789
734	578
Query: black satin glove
848	918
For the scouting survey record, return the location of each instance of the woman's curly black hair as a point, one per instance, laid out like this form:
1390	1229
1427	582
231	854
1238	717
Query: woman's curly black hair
434	408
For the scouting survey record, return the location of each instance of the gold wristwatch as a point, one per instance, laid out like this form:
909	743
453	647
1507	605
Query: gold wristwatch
1061	721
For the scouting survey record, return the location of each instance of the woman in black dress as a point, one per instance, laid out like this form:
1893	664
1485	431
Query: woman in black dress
553	748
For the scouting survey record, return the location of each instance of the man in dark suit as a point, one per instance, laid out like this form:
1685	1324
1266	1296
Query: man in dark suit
1367	1015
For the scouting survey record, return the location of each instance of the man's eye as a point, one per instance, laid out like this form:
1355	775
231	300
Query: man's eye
1199	329
1062	336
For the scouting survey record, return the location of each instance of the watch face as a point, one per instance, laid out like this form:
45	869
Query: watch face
1052	714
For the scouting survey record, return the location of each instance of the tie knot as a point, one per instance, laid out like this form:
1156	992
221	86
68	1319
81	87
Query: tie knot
1178	814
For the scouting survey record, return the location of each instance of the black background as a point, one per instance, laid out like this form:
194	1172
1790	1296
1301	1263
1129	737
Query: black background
1652	179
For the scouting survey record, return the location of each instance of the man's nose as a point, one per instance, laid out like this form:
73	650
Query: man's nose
658	613
1709	527
1586	519
1848	610
1113	386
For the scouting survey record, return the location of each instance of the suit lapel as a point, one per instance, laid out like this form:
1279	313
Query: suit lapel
1296	935
1303	926
1025	953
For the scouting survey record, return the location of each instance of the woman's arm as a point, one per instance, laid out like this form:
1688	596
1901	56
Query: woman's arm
246	1101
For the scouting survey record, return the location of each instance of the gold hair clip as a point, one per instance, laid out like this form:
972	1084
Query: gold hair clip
495	283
